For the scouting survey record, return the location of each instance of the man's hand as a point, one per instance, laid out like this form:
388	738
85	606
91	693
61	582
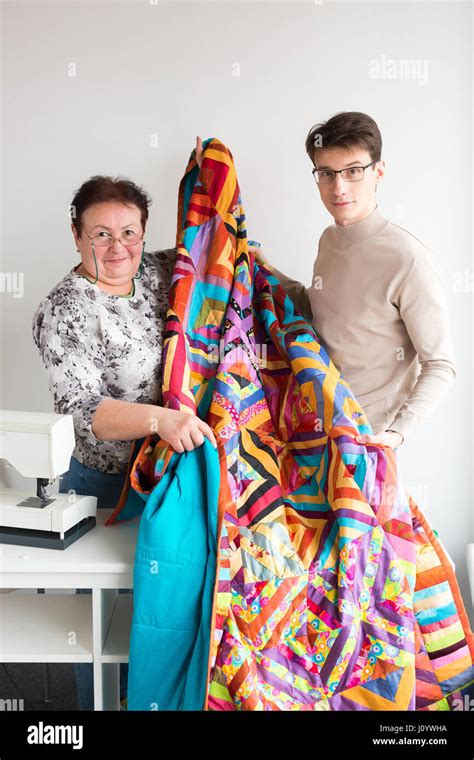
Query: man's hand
258	252
387	438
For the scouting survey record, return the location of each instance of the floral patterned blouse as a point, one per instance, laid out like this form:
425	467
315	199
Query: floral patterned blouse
96	345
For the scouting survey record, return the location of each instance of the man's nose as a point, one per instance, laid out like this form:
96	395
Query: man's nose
339	185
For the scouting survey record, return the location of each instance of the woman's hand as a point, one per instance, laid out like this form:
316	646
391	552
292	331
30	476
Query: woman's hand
183	431
199	151
387	438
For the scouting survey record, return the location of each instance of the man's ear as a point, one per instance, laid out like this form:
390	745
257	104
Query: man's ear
380	169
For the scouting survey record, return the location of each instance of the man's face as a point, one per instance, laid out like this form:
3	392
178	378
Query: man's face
348	202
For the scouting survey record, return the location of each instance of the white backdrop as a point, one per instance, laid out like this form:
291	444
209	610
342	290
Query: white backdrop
124	88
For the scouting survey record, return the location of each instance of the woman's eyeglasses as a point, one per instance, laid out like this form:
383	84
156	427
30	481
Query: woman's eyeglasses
103	239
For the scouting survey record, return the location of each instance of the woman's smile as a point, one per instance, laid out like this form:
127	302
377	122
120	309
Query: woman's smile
116	261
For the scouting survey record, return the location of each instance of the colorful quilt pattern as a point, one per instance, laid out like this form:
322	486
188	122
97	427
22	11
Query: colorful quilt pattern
332	591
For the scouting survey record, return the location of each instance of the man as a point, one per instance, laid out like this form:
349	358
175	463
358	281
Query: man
376	300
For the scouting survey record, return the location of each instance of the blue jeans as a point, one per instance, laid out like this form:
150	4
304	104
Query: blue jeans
107	487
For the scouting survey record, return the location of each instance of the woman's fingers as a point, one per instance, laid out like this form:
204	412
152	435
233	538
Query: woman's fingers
195	434
198	431
207	432
186	442
197	437
187	432
178	447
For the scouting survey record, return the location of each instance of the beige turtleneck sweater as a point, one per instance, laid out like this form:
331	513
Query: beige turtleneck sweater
377	303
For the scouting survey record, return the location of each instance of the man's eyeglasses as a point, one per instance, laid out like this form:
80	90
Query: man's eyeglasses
352	174
128	237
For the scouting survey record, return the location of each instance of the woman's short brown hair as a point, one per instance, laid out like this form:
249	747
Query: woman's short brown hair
346	129
102	189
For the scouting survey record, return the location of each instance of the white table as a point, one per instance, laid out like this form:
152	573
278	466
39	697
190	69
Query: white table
69	627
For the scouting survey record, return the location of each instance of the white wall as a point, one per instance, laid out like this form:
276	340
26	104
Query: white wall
169	69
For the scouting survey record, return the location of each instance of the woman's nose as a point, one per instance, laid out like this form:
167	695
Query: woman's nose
117	247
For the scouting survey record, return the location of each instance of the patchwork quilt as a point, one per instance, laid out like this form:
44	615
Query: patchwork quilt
289	569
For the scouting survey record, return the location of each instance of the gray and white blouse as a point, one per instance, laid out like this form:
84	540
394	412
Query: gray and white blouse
96	345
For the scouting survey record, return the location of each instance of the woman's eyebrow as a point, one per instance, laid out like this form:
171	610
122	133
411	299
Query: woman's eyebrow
109	228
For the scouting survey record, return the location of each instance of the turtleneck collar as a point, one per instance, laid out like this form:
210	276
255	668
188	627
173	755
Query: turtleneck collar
359	231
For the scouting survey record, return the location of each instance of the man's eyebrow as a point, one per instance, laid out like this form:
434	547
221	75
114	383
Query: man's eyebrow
109	228
352	163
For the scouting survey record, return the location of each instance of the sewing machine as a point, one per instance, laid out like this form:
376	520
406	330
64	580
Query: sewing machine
39	445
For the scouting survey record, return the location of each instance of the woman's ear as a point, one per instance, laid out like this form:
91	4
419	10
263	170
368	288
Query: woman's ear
76	237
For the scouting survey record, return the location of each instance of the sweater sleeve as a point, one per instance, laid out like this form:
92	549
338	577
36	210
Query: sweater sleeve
73	353
423	307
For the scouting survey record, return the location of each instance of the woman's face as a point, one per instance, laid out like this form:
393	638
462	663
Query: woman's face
116	263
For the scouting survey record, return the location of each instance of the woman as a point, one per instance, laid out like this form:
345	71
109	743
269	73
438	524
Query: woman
100	335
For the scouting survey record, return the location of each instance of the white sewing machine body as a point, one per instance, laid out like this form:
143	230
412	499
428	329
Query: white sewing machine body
57	517
40	445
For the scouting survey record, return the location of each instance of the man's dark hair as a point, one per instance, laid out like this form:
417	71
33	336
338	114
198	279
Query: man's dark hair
347	129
